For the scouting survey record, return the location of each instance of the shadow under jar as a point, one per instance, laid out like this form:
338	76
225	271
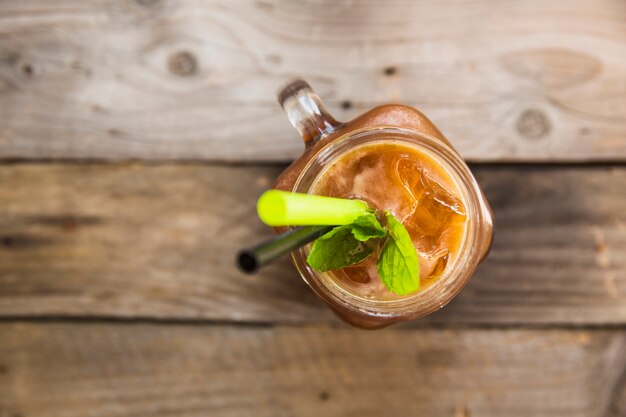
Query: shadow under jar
395	159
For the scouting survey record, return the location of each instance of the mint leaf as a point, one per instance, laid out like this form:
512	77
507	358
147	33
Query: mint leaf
337	249
397	265
367	227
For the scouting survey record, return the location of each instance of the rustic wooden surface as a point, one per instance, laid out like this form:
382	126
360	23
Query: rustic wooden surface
159	242
118	292
504	79
175	370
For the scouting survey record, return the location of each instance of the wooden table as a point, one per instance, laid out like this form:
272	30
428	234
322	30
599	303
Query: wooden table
135	137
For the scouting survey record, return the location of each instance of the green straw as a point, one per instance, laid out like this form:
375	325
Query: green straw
251	259
281	208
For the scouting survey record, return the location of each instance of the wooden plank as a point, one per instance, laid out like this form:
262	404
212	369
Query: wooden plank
503	79
159	242
617	405
109	370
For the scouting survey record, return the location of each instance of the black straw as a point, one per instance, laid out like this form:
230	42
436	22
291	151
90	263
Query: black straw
249	260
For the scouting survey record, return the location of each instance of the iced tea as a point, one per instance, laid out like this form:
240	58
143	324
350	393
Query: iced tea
416	189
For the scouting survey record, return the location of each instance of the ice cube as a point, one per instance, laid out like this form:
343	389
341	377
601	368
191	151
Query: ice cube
437	215
432	265
441	195
408	171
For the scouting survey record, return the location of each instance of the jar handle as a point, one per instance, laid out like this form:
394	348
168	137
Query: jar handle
306	112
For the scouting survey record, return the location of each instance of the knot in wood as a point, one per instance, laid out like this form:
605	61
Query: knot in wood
183	64
533	124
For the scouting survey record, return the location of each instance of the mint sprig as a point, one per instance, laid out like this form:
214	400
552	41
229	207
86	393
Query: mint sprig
397	265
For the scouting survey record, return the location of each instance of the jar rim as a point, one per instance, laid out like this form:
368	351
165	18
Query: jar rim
447	287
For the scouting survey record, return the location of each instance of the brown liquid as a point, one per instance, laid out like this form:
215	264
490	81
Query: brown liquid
416	189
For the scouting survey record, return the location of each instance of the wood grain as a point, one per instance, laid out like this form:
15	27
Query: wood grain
108	370
159	242
503	79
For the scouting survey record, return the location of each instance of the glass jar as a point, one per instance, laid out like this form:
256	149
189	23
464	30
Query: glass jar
326	141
